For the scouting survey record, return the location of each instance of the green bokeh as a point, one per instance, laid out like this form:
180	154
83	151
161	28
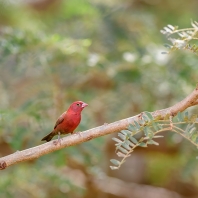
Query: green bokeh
106	53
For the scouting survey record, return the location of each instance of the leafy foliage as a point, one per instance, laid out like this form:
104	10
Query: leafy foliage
183	41
182	124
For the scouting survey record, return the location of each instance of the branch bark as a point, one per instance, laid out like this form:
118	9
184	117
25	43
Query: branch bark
77	138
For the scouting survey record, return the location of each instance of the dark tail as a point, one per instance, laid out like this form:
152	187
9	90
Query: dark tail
49	136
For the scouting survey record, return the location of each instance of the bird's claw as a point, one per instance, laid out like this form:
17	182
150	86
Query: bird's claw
55	142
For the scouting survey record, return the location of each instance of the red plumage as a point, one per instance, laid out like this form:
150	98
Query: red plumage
68	121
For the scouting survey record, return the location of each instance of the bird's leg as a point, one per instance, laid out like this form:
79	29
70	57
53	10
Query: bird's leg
58	140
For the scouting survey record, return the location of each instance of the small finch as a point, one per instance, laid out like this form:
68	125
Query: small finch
68	121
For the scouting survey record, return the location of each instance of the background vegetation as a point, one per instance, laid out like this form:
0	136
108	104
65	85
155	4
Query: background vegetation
108	54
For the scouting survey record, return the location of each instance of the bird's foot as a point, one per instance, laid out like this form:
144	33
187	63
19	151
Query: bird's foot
55	142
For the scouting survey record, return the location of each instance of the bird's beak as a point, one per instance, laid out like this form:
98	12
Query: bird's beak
84	105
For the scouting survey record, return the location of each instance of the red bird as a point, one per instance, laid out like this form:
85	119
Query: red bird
68	121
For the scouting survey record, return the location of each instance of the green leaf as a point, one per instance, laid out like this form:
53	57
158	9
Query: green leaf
115	162
119	154
116	140
131	127
149	115
142	122
123	137
187	130
151	134
179	117
152	142
145	118
155	126
122	149
146	131
160	126
191	132
126	146
137	125
129	143
118	144
186	114
113	167
142	144
126	132
133	140
123	132
191	126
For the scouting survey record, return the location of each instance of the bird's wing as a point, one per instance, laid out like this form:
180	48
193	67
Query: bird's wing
60	120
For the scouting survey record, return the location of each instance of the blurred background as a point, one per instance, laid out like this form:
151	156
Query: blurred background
108	54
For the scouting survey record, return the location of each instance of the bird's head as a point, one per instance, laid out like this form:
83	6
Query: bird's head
78	106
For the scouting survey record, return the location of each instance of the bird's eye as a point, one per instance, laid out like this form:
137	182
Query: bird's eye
78	104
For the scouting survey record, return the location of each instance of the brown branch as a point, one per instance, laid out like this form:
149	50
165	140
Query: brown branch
36	152
120	188
115	186
195	103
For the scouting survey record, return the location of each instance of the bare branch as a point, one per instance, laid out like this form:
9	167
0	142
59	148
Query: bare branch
195	103
36	152
125	189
